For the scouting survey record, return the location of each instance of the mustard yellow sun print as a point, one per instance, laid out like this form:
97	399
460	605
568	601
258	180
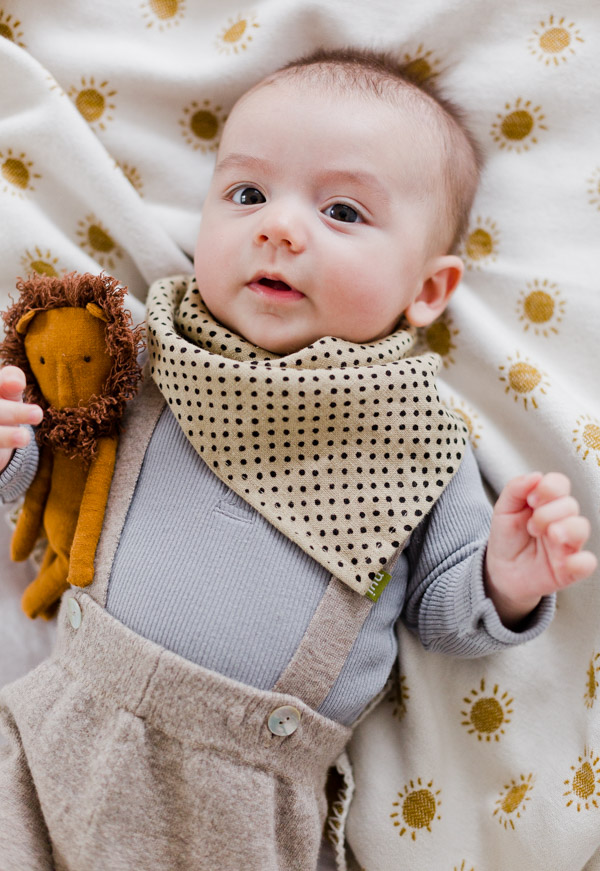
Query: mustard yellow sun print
555	40
481	244
133	176
421	65
237	34
512	800
96	241
523	380
398	697
583	783
10	28
594	188
94	101
469	417
40	262
591	681
586	438
464	866
201	125
163	14
418	807
517	128
440	337
541	307
18	172
487	712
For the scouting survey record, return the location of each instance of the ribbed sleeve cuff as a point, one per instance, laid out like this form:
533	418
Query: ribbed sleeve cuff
476	610
20	472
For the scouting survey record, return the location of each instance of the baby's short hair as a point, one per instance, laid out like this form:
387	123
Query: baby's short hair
380	74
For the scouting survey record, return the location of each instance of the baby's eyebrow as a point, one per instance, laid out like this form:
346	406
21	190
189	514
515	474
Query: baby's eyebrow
237	160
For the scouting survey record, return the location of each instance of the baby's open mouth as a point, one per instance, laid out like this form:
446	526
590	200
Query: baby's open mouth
274	289
276	285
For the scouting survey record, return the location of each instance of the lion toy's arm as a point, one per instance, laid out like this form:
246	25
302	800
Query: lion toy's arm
91	513
31	516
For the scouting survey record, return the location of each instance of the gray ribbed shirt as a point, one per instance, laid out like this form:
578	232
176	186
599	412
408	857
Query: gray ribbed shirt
200	572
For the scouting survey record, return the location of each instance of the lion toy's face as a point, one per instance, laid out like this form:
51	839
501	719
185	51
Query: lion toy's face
66	349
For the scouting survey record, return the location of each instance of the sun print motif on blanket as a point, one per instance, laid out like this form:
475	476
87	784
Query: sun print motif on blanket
422	65
96	241
512	801
553	41
237	34
41	262
163	13
517	128
17	173
133	176
418	808
10	28
487	713
524	381
202	125
591	681
541	307
583	786
94	102
470	417
439	338
481	245
586	438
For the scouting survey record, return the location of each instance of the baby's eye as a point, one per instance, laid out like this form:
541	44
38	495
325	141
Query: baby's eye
343	212
248	197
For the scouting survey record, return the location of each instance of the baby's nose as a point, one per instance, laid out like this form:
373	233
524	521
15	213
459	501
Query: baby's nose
281	228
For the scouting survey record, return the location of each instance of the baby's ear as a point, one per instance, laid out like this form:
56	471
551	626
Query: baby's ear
22	324
96	311
441	280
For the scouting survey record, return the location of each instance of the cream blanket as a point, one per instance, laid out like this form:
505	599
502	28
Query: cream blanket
110	114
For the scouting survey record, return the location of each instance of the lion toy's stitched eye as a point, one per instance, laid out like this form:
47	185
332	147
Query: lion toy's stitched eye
87	359
42	361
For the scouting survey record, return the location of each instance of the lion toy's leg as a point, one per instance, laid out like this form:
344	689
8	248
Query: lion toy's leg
41	597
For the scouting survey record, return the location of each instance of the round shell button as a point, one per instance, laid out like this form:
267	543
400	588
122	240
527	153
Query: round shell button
284	721
74	612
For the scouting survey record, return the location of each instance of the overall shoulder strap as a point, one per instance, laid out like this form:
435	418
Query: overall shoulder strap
140	419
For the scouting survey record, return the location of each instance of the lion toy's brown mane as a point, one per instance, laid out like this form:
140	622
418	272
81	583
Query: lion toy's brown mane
75	431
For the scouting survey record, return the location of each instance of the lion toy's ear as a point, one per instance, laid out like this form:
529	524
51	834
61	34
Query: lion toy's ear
96	311
23	323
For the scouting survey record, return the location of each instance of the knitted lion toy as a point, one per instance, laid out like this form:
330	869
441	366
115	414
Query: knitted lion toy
75	343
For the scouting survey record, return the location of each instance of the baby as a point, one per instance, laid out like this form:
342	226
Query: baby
288	486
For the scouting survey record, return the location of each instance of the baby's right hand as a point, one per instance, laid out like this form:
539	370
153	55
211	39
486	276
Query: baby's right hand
13	411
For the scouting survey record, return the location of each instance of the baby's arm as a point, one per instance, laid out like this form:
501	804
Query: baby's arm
13	413
17	467
535	544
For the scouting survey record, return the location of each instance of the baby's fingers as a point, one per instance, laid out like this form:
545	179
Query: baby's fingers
579	566
12	383
550	512
14	413
569	534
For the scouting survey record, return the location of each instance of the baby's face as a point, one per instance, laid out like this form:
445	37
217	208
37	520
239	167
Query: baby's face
317	222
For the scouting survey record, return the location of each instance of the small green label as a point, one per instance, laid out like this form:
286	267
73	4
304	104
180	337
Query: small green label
378	585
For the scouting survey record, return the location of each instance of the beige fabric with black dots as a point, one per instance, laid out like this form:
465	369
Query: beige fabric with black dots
342	447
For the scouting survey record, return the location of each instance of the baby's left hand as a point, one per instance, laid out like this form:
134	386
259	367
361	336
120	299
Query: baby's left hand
535	544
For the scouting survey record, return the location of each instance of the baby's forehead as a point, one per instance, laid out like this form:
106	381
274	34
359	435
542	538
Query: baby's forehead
387	112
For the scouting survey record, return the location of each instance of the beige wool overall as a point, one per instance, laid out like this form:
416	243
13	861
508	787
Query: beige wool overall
126	756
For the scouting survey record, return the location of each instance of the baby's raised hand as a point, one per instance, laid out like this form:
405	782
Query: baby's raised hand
13	412
535	544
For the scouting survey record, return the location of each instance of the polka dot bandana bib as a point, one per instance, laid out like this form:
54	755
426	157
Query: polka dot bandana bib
344	448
